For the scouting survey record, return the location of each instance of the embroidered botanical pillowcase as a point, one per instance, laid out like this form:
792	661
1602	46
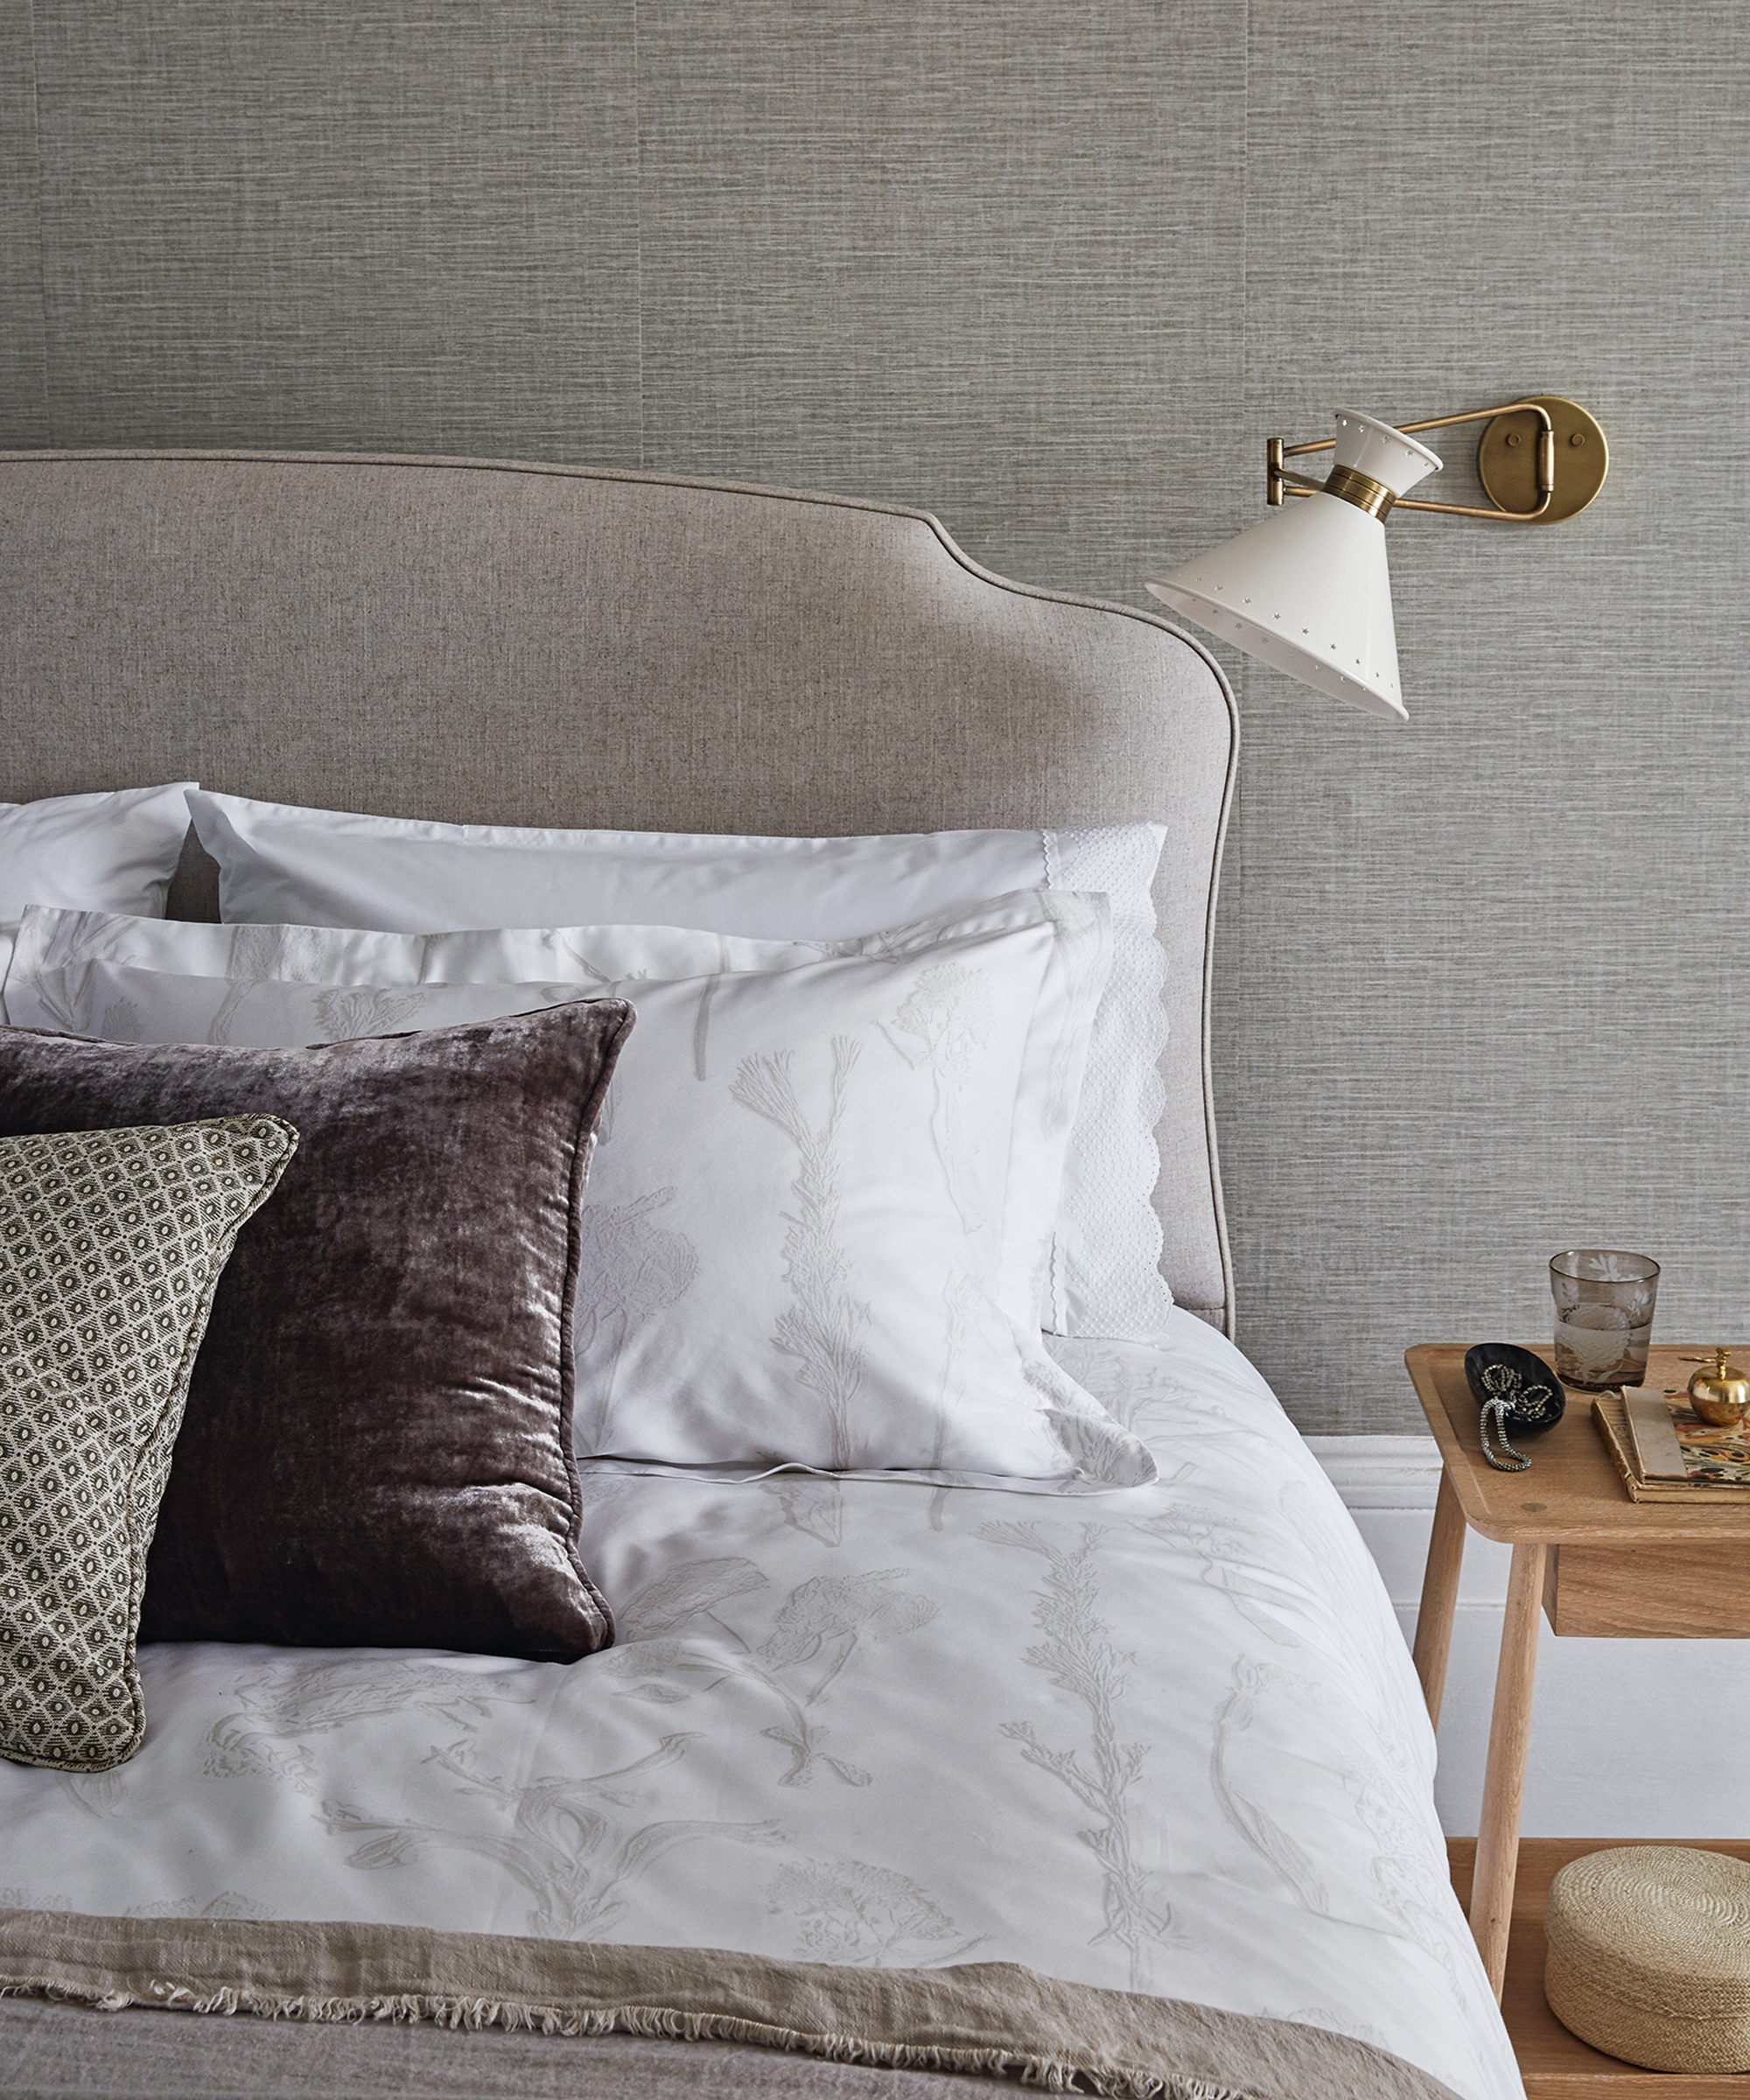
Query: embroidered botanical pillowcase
823	1192
79	972
112	1242
376	1446
278	864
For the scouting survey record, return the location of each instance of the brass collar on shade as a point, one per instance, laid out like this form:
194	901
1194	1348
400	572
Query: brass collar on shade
1361	490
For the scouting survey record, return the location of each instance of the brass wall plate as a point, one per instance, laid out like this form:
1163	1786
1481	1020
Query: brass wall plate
1507	458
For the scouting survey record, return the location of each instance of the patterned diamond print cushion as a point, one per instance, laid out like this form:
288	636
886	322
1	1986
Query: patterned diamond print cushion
111	1246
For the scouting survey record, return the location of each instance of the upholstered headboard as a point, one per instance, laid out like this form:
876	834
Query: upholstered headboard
494	643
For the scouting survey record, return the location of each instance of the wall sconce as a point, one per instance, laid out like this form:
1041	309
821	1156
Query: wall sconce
1308	590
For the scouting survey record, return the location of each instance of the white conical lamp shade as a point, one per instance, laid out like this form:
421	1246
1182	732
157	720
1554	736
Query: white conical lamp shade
1308	590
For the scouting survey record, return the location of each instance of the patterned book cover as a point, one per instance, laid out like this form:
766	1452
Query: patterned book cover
1714	1457
1728	1478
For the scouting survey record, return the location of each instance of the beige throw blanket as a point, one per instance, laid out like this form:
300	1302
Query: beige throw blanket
993	2018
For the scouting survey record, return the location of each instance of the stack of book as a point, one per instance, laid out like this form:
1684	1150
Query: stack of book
1665	1452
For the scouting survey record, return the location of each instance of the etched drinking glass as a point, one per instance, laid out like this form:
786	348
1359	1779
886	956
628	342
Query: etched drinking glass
1604	1316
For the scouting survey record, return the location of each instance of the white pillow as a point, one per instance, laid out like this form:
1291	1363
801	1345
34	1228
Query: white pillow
143	980
822	1191
113	851
322	867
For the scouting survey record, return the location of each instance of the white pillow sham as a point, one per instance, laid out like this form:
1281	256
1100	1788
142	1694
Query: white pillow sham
822	1192
112	851
278	864
77	972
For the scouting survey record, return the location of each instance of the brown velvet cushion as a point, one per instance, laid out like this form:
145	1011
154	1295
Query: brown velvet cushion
377	1446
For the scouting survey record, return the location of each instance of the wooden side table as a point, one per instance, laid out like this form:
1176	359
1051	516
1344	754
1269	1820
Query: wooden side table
1595	1562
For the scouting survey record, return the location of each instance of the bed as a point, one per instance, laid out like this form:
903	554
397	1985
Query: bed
892	1777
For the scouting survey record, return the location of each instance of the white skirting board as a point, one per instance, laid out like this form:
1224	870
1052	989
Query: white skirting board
1629	1739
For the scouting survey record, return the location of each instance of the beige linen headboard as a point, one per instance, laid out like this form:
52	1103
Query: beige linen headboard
494	643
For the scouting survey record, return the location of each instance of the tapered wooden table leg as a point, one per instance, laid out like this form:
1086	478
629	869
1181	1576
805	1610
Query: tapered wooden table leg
1503	1786
1439	1595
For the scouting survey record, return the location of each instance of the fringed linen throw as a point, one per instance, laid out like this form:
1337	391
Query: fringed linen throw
993	2017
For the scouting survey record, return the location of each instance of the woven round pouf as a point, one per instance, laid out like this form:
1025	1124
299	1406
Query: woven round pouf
1649	1956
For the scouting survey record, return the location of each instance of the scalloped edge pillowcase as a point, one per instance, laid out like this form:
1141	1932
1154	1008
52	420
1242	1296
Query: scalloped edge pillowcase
112	851
280	863
823	1191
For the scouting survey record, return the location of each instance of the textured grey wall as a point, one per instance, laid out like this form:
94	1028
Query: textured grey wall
1053	272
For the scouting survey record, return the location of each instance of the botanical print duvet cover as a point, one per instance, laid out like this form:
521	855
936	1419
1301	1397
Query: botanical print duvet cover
1165	1739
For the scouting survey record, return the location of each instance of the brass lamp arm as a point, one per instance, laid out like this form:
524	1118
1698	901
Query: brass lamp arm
1282	483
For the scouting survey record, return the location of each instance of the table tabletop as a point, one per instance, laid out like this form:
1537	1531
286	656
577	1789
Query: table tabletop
1572	1493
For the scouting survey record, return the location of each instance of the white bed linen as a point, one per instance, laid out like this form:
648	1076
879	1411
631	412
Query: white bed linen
278	864
1169	1742
115	851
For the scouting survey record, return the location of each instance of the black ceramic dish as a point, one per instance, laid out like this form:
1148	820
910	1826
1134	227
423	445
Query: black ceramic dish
1500	1371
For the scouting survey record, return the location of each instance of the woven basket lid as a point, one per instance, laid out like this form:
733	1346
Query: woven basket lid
1666	1925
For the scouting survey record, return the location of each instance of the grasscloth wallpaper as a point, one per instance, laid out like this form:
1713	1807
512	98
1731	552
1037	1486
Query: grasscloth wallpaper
1054	272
